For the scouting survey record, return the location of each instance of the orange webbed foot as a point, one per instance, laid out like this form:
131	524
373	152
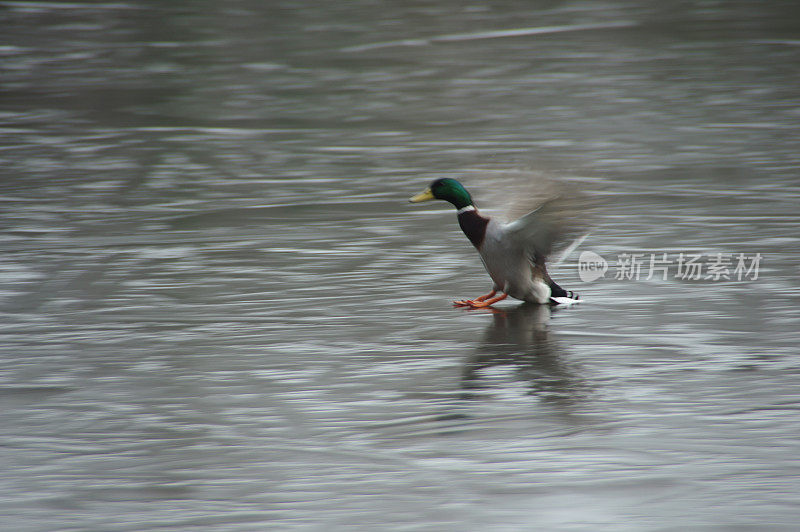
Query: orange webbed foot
481	302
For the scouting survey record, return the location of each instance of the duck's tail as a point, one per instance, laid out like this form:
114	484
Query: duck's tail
559	296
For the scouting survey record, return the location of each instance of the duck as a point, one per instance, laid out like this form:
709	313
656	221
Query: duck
513	253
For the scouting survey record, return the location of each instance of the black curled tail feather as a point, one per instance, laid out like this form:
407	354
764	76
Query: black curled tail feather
557	291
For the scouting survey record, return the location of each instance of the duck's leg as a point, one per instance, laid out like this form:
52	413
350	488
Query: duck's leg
469	302
487	296
481	302
488	302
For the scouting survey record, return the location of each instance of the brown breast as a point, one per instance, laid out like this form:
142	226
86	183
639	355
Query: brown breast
474	226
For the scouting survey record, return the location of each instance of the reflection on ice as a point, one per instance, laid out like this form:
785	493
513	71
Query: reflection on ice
520	337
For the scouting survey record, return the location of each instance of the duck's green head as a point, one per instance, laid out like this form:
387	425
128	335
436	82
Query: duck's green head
445	189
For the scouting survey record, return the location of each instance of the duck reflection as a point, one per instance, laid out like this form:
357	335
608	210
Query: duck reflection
520	337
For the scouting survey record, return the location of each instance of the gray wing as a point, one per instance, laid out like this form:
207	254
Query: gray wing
553	224
547	215
536	232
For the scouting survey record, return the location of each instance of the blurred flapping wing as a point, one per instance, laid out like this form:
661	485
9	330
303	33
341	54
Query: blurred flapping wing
539	230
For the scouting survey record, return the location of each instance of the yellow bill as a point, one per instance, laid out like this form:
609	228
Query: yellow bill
425	195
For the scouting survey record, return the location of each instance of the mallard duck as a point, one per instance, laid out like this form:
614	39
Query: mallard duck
513	253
